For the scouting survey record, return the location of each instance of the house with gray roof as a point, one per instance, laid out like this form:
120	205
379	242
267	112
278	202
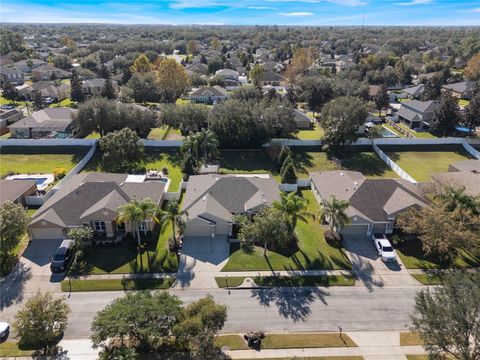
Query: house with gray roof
468	180
12	75
46	123
24	65
208	94
94	87
46	89
414	92
92	200
16	190
374	203
212	200
302	121
49	72
199	68
272	78
461	90
465	165
7	117
417	114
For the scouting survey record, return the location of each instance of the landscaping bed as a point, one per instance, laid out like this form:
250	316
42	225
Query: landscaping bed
285	281
115	284
312	250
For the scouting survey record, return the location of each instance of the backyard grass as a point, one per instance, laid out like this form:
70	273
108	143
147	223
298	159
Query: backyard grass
6	135
38	160
392	129
428	279
417	357
93	135
463	102
157	133
154	159
413	257
12	349
174	134
115	284
311	252
422	164
417	134
410	339
314	134
368	163
65	103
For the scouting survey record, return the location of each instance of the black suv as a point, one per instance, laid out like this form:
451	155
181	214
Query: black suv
62	257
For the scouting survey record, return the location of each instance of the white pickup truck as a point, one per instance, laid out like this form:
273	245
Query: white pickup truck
384	248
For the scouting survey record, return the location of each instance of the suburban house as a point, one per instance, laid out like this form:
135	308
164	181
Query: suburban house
465	165
199	68
49	72
272	78
7	117
374	203
24	65
414	92
16	190
12	75
47	89
461	90
92	200
46	123
94	87
208	94
417	114
212	200
229	76
469	180
302	121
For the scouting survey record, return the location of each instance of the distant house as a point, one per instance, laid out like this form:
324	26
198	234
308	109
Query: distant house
94	87
12	75
229	76
23	65
8	117
208	94
414	92
199	68
374	203
272	78
46	123
461	90
16	190
92	200
468	180
465	165
417	114
212	200
49	72
302	121
46	89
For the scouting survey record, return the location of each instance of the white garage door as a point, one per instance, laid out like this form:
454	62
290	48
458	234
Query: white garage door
354	230
47	234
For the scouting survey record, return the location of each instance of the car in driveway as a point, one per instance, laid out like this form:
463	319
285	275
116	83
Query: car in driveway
384	248
4	331
63	256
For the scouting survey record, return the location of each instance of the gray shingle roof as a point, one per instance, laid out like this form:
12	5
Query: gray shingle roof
467	179
11	190
48	119
460	87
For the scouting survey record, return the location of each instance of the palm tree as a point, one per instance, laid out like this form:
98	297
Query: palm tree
173	214
294	207
191	144
137	211
334	213
208	142
454	198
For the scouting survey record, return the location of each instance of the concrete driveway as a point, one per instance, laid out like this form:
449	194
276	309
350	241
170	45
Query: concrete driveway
369	267
38	256
201	259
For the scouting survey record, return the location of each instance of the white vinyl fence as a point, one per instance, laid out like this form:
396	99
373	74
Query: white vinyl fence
402	173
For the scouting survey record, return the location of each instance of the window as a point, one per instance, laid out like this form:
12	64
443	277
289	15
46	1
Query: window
143	226
99	226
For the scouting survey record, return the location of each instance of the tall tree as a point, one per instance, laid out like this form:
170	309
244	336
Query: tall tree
471	117
448	317
143	87
208	143
315	91
41	321
446	117
13	224
174	215
76	87
121	150
192	47
141	65
294	207
341	118
172	79
381	100
334	212
9	91
256	74
215	43
137	211
472	70
108	90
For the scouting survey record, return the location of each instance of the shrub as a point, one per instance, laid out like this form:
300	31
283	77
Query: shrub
170	264
59	173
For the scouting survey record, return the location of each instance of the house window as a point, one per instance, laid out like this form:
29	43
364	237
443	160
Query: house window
143	226
99	226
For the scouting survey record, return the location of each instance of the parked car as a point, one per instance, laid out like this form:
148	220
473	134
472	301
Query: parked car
48	101
384	248
63	256
4	330
7	107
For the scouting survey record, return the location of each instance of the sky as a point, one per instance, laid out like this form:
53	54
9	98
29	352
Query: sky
245	12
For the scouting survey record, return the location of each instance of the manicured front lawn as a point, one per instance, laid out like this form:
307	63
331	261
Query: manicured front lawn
413	257
311	252
231	281
428	279
65	103
12	349
410	339
232	342
30	161
115	284
422	164
314	134
275	281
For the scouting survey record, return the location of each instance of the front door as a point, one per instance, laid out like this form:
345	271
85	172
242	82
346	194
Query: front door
389	226
369	229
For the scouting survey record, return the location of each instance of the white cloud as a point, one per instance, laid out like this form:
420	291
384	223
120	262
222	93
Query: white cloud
474	10
260	8
338	2
298	13
415	2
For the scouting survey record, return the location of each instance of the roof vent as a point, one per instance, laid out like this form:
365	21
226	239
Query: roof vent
355	183
204	198
121	184
341	173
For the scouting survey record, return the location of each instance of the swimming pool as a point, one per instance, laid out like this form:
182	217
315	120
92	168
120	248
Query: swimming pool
39	181
386	133
42	180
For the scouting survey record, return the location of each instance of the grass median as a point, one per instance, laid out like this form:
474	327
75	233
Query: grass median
410	339
285	281
115	284
13	349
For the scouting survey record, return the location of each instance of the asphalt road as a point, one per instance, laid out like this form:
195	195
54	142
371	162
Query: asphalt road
279	309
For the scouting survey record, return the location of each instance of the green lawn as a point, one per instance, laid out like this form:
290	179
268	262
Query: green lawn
4	101
231	281
154	159
318	358
93	135
65	103
422	164
115	284
463	102
417	134
410	339
311	252
368	163
413	257
283	281
428	279
12	349
232	342
157	133
174	134
314	134
37	160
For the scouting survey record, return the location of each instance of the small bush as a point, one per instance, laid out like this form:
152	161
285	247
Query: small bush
332	237
59	173
170	263
172	244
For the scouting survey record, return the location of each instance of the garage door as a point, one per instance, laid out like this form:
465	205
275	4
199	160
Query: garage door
47	234
354	230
